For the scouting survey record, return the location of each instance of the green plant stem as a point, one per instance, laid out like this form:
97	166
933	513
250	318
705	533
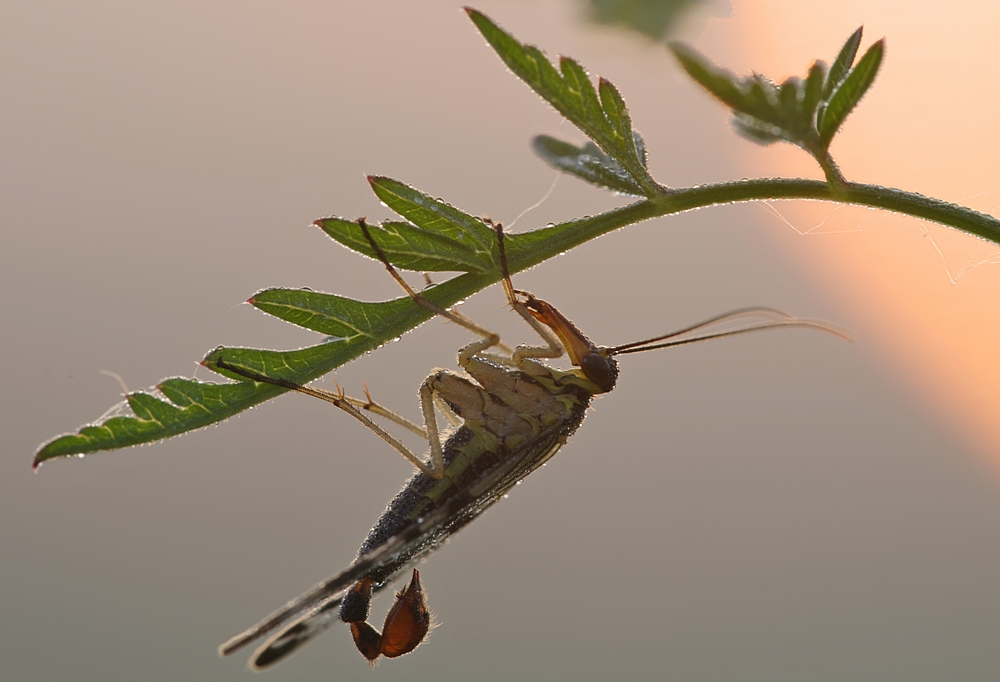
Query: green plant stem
830	168
680	200
568	235
530	249
873	196
565	236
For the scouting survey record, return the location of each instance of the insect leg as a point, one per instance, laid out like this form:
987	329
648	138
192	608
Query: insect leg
423	302
435	470
429	399
446	410
489	338
370	405
552	348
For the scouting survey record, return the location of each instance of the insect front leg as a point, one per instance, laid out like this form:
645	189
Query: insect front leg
552	348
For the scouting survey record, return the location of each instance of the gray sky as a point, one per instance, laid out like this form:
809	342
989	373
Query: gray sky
780	506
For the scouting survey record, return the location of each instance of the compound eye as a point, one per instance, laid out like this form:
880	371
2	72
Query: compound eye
599	369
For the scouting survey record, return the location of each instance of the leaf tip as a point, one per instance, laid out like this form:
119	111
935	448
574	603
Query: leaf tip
677	47
45	453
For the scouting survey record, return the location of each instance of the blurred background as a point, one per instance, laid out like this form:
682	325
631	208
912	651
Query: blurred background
781	506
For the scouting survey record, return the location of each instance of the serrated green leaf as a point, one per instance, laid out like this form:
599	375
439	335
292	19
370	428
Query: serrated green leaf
334	316
812	91
763	112
843	63
435	215
758	131
849	93
640	148
791	95
614	107
195	404
724	85
588	163
188	404
796	111
652	18
582	99
763	100
605	119
618	117
407	246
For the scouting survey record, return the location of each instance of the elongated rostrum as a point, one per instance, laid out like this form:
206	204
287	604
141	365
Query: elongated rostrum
511	413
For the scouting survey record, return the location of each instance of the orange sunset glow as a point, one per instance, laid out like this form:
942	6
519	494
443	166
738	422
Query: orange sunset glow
928	293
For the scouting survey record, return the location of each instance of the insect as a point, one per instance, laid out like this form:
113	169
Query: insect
511	414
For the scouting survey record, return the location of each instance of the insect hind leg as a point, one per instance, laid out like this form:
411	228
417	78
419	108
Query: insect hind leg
350	405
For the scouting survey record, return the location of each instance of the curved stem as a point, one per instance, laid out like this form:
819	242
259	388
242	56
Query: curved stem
568	235
531	248
874	196
834	176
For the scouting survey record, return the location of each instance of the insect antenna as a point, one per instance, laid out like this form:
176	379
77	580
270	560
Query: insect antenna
778	320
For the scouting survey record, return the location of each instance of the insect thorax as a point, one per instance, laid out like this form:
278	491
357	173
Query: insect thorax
510	414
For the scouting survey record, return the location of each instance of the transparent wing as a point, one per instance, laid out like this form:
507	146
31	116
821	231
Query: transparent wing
322	599
298	634
312	613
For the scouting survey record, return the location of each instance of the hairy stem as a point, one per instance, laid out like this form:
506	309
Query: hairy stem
573	233
832	171
873	196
